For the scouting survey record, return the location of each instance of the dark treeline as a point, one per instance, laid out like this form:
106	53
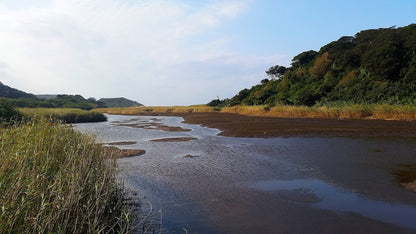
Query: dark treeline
19	98
61	101
374	66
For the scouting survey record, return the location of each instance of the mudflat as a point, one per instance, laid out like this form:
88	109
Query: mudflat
236	125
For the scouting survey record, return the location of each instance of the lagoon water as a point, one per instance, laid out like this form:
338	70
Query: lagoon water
218	184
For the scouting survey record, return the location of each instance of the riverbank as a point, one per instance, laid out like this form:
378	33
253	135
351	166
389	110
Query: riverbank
354	111
244	125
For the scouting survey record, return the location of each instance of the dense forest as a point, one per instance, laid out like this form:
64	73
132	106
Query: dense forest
374	66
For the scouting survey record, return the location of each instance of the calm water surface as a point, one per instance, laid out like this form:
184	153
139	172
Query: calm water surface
275	185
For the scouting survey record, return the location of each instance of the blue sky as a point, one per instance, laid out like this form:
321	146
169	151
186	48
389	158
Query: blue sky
171	52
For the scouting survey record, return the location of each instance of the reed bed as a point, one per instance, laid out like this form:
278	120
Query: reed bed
67	115
355	111
156	109
54	179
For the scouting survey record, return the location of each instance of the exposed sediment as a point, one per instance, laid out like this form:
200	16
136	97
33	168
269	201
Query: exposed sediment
122	153
174	139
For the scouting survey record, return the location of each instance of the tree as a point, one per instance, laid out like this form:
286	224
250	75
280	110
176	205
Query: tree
276	71
303	58
264	81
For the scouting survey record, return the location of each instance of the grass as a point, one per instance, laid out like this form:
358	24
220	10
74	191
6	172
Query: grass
67	115
54	179
156	109
356	111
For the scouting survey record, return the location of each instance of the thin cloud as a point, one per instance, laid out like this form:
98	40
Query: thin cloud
106	48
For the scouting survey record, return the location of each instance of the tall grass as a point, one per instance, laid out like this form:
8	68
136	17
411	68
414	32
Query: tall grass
54	179
156	109
353	111
67	115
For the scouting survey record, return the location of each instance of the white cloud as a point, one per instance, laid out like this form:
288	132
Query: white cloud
150	51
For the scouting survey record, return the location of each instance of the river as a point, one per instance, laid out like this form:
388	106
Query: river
216	184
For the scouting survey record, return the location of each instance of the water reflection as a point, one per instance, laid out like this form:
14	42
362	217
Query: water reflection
331	197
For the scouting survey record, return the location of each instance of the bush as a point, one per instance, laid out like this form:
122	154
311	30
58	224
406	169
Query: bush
8	113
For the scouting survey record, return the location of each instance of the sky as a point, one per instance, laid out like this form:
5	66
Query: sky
172	52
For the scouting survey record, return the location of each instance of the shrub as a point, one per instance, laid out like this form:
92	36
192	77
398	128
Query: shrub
8	113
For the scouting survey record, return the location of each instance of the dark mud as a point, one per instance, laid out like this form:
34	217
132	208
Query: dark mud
235	125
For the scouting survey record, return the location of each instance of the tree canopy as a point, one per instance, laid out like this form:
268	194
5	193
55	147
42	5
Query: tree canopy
373	66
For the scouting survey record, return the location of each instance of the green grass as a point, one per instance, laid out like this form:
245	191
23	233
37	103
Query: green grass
54	179
67	115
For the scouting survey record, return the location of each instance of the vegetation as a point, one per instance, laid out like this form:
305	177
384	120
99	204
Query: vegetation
156	109
66	115
22	99
119	102
61	101
8	113
351	111
374	66
8	92
346	111
54	179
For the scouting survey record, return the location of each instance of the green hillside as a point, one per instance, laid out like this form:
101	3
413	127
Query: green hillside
8	92
19	98
119	102
374	66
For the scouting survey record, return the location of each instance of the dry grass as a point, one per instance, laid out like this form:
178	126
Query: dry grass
156	109
54	179
373	111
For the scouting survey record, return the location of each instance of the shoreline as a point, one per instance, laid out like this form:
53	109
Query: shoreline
240	125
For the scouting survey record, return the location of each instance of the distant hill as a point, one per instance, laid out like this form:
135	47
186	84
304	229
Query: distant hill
46	96
22	99
8	92
119	102
373	66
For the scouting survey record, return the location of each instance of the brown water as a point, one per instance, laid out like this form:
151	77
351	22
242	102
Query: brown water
254	185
